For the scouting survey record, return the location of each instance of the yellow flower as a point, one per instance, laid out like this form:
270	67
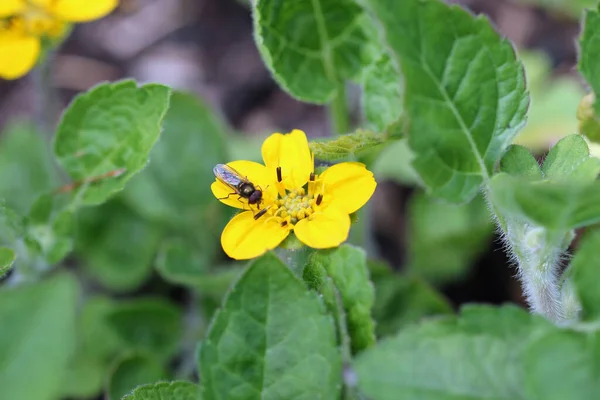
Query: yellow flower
316	208
24	23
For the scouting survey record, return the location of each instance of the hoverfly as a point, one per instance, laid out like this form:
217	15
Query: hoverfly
238	183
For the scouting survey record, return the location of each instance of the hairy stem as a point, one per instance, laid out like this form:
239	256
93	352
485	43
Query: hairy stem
537	253
338	111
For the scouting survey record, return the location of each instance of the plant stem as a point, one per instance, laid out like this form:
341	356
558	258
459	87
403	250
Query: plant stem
338	111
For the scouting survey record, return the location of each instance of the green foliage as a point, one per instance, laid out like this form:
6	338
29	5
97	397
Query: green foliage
564	199
177	390
26	169
479	355
557	206
445	239
518	161
175	193
271	340
402	300
395	163
149	326
346	267
7	258
570	7
382	97
346	145
37	337
178	263
589	42
52	227
117	246
106	134
585	273
132	371
465	93
312	47
547	381
98	345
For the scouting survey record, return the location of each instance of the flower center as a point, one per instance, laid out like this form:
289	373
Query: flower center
297	205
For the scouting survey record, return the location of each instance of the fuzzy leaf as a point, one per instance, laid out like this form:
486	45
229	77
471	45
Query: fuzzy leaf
37	337
105	137
347	268
312	47
465	96
272	339
177	390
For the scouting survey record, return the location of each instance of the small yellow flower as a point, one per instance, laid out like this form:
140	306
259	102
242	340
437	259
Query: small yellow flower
316	208
24	23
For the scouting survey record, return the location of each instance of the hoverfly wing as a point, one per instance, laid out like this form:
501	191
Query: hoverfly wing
228	176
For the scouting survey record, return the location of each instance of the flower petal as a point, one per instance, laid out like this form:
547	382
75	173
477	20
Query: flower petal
292	154
348	186
18	54
324	229
10	7
244	237
80	10
255	173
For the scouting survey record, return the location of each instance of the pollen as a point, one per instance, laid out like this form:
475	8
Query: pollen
296	205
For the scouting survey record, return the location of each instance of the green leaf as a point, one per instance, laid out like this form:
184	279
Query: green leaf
37	337
52	227
7	258
177	390
150	326
554	205
97	347
345	145
116	245
347	268
271	340
177	193
26	166
402	300
477	356
518	161
570	160
586	274
312	47
382	97
465	95
83	378
445	239
572	8
132	371
179	264
106	134
395	163
589	43
563	365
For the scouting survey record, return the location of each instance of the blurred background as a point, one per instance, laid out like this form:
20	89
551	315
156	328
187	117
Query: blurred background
206	47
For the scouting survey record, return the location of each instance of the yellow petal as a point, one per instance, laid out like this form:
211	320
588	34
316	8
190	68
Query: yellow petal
291	153
18	54
324	229
244	237
11	7
79	10
255	173
348	186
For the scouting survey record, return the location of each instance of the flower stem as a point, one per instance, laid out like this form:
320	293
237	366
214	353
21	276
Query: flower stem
338	111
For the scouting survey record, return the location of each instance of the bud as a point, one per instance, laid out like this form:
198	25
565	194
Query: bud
589	124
